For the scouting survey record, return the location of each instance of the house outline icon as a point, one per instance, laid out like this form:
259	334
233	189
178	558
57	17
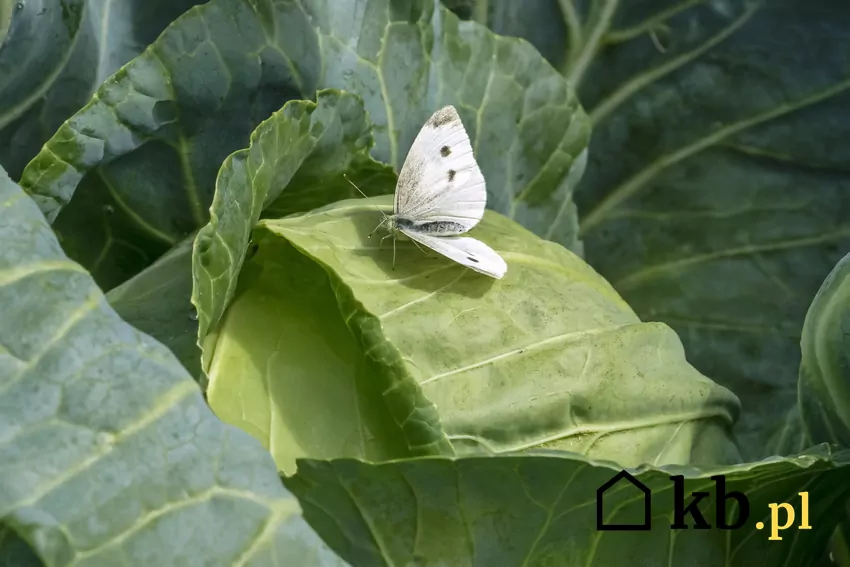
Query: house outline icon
647	505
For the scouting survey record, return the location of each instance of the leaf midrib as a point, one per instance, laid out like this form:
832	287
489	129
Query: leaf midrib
598	215
16	111
650	271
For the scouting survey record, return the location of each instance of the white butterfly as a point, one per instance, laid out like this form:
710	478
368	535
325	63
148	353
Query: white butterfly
441	193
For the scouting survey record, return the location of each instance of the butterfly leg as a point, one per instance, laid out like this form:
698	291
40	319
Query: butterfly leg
380	224
381	243
420	248
394	253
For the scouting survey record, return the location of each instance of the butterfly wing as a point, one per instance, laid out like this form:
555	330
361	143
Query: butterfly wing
440	180
465	250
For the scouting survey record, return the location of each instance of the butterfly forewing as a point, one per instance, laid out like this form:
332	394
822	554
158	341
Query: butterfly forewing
441	193
440	179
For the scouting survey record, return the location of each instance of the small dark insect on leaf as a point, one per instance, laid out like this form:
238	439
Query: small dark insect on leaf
445	151
452	174
471	259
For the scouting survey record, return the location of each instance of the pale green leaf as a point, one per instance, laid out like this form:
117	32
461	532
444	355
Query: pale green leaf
550	356
323	141
305	149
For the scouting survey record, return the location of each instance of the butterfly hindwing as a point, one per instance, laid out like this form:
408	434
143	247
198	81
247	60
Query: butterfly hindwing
440	179
464	250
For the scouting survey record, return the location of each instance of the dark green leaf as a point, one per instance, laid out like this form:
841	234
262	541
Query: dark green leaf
157	302
714	198
544	23
14	551
825	368
109	454
840	548
541	510
147	148
57	53
790	437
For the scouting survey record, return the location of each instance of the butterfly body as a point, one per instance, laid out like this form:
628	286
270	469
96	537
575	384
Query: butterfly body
437	228
441	194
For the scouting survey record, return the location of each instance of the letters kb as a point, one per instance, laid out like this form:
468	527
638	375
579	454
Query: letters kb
686	506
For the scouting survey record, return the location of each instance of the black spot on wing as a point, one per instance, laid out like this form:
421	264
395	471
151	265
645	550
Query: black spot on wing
442	117
452	174
445	151
471	259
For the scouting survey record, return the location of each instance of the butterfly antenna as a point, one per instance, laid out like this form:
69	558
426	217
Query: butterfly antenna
353	185
376	208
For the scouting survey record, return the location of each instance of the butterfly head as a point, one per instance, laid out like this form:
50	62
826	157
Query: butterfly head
389	222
